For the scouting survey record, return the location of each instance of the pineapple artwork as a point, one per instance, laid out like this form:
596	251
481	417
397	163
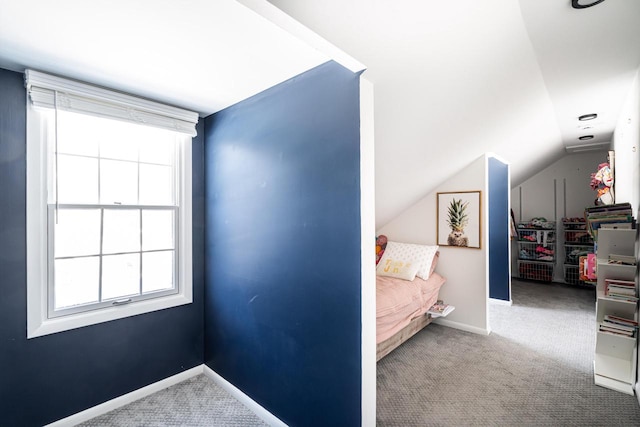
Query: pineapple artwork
457	221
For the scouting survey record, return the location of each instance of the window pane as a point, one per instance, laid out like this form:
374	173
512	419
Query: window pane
121	231
77	179
76	135
156	185
157	271
158	147
76	281
120	276
119	146
77	232
118	182
157	230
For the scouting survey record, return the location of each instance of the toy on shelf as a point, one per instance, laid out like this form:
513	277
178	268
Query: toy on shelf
602	184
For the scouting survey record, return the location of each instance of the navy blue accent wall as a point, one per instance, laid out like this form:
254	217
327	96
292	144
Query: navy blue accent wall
51	377
282	293
499	230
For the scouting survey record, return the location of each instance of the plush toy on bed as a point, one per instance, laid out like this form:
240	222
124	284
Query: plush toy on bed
381	244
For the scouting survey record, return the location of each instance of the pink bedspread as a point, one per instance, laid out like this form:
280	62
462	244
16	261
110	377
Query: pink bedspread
398	301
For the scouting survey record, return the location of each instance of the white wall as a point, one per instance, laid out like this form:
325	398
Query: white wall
568	196
560	190
626	138
367	205
466	270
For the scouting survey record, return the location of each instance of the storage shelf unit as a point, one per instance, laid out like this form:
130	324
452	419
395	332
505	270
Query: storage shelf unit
536	270
577	243
615	358
536	250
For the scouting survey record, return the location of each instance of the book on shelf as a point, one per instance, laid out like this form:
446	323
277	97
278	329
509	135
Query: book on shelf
622	259
621	282
621	297
617	226
623	289
617	331
618	325
616	216
440	309
616	207
609	318
587	267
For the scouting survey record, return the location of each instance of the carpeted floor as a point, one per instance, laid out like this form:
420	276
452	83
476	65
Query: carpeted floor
195	402
535	369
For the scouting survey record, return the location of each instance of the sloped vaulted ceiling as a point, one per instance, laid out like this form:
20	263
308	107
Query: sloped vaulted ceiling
456	79
453	79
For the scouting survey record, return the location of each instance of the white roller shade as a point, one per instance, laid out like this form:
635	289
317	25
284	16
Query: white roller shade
88	99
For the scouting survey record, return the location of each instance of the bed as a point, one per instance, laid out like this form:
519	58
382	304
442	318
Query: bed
403	299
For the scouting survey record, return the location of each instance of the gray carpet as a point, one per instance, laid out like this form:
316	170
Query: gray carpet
195	402
535	369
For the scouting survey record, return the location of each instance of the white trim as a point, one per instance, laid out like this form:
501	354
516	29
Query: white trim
500	159
125	399
612	384
89	99
38	323
461	326
185	223
251	404
44	326
276	16
36	196
500	301
368	272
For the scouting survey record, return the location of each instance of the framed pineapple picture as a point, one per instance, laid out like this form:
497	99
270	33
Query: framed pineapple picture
458	219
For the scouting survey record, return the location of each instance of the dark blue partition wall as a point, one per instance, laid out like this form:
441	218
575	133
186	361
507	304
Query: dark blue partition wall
282	293
51	377
499	277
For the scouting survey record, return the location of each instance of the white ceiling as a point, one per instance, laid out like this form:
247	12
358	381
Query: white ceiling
203	55
456	79
453	79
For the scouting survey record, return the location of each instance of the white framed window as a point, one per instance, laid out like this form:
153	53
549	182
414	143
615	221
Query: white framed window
108	205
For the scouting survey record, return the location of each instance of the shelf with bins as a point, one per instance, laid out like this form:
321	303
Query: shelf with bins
536	250
541	271
615	355
577	243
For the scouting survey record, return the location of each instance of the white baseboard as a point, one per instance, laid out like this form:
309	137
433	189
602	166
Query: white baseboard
637	387
125	399
461	326
500	301
253	406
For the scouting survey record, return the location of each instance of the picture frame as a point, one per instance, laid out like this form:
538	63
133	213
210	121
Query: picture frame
458	219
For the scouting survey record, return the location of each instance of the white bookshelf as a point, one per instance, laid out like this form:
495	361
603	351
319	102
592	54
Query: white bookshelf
614	364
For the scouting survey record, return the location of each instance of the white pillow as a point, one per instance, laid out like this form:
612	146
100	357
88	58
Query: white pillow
398	269
409	252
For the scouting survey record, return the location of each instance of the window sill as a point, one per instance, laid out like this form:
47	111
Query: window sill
41	327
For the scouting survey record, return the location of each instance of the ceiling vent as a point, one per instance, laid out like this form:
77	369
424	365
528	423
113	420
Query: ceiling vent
580	148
